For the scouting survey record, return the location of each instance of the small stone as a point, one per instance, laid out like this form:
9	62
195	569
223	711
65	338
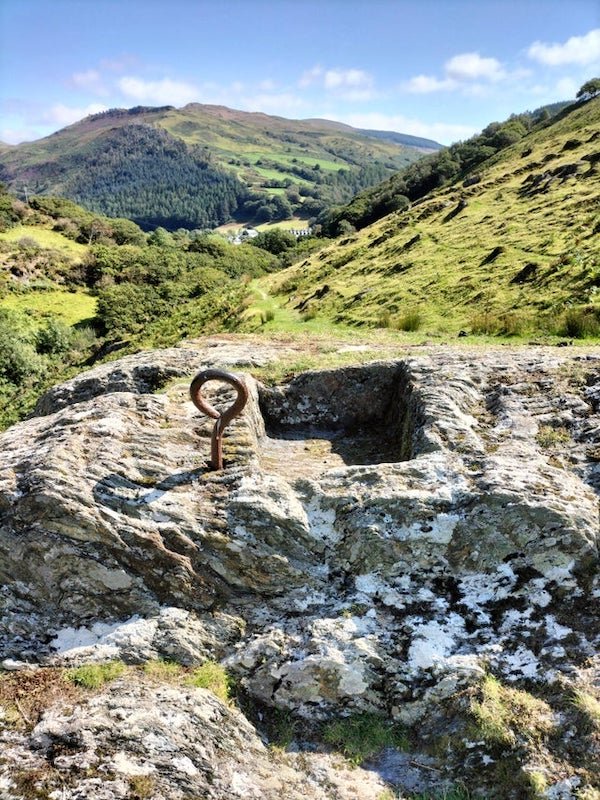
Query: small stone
13	665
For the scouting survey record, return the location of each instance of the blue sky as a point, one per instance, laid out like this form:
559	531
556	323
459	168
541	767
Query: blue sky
436	68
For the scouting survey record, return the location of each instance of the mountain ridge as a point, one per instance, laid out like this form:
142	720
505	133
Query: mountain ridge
282	167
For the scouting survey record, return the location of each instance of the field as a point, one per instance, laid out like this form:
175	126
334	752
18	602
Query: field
71	307
231	228
44	238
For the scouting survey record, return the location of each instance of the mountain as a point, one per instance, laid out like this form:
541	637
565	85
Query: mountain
511	246
202	165
427	145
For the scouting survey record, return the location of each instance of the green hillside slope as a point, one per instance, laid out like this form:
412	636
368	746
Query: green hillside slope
435	170
200	166
511	249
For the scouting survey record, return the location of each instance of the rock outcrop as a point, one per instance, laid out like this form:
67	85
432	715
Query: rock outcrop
140	739
382	536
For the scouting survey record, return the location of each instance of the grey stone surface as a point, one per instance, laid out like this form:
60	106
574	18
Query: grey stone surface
182	743
379	538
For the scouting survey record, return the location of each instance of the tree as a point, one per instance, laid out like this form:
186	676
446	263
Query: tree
18	358
589	89
274	241
160	237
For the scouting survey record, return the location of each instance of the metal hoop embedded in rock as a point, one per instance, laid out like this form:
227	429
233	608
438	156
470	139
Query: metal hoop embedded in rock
227	416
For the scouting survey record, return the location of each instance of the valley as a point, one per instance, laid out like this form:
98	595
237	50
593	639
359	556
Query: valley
389	590
160	166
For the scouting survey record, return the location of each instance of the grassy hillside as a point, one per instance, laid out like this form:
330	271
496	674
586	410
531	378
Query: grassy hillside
201	166
433	171
512	249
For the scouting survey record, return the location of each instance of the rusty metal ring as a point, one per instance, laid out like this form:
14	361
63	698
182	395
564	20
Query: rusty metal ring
222	420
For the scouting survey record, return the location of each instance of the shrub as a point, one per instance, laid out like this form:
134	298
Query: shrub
83	339
55	337
578	323
18	357
126	308
28	243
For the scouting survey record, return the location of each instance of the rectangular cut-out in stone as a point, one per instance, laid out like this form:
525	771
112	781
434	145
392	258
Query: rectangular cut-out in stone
331	418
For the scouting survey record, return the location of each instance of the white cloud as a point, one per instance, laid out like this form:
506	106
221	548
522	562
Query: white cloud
358	95
468	72
576	50
338	80
424	84
471	66
310	76
563	89
439	131
566	88
18	135
90	80
62	115
282	103
163	92
121	64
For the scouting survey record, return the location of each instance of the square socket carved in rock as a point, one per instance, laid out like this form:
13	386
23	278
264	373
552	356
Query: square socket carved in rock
341	417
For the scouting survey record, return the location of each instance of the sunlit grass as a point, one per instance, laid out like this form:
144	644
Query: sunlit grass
71	307
93	676
44	238
507	263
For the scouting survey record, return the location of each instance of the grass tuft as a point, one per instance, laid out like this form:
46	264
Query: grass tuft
505	716
409	321
93	676
548	437
489	323
589	706
455	793
141	787
163	671
580	323
214	677
363	735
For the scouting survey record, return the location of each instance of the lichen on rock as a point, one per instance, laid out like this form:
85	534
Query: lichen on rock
381	539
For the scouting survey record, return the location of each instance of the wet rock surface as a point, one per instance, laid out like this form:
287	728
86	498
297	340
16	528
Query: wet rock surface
382	538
